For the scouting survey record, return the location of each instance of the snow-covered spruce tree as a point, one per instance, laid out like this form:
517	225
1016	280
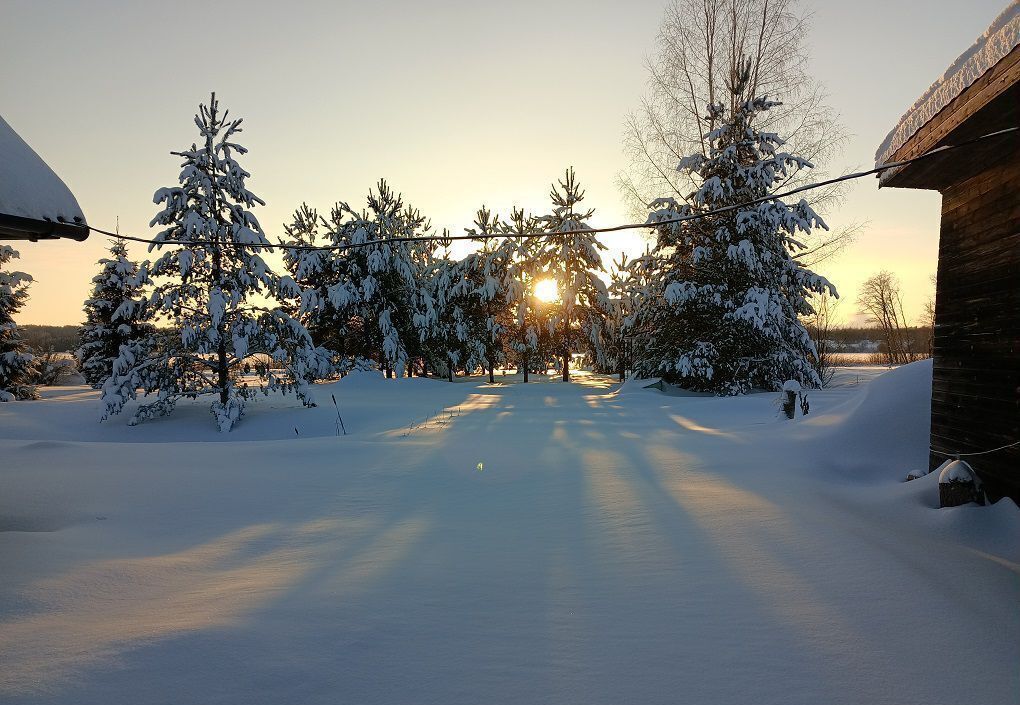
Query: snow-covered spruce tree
436	317
610	339
361	300
16	362
483	290
729	287
202	284
100	337
319	273
527	338
572	259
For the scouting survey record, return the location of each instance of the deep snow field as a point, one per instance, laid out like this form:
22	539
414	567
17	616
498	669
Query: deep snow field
541	543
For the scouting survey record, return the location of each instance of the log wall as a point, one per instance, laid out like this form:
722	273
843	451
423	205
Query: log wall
976	384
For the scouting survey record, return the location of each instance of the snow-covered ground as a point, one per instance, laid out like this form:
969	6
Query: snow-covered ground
509	543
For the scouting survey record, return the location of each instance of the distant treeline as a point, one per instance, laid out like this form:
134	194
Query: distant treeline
55	338
65	338
918	338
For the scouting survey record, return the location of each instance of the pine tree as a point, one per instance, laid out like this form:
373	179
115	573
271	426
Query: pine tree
438	317
525	332
572	259
202	282
16	362
730	287
100	337
362	299
611	337
485	288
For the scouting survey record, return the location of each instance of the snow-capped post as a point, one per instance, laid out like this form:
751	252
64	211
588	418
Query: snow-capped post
791	388
729	291
958	484
16	362
209	268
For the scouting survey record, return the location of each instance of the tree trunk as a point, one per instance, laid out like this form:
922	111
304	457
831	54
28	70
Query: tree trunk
492	375
221	360
527	364
222	378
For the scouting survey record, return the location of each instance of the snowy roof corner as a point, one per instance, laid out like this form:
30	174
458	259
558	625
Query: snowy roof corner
991	47
34	203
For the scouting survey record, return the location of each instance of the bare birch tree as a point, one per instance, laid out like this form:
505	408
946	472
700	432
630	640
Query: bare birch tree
699	46
881	301
928	317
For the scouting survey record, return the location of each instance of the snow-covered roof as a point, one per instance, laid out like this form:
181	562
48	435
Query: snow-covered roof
30	189
990	48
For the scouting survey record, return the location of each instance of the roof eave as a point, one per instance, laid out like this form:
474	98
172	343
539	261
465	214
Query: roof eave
990	104
16	227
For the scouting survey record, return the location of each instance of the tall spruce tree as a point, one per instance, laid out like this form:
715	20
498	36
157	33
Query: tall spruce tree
485	286
100	337
572	258
527	338
203	283
729	288
16	362
438	320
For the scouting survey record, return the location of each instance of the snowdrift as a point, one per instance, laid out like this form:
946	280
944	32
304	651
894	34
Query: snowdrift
882	432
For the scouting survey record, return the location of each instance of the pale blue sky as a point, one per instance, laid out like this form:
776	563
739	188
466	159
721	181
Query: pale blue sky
455	103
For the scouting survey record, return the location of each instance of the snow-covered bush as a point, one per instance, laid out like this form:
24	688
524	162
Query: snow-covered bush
16	362
51	368
203	284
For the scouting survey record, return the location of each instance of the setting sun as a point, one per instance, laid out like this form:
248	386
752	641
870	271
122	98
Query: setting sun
547	291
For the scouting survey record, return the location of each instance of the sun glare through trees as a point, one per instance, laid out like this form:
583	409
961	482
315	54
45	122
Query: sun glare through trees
547	291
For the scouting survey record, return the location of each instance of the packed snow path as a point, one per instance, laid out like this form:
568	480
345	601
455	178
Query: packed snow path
541	543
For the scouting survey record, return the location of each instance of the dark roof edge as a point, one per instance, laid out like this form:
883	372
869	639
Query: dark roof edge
16	227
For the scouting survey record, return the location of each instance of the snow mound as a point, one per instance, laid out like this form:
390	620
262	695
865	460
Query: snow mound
28	187
890	418
957	471
990	48
633	383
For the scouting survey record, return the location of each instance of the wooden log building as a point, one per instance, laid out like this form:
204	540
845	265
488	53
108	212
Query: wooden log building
976	382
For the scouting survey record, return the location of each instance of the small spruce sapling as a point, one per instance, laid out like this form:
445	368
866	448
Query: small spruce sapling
101	335
16	362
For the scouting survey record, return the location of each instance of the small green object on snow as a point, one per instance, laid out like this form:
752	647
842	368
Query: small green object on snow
481	466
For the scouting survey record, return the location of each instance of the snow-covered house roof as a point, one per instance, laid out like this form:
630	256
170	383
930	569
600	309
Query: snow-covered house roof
998	42
34	203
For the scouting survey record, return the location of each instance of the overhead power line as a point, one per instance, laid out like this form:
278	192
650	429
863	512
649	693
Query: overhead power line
957	456
609	229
